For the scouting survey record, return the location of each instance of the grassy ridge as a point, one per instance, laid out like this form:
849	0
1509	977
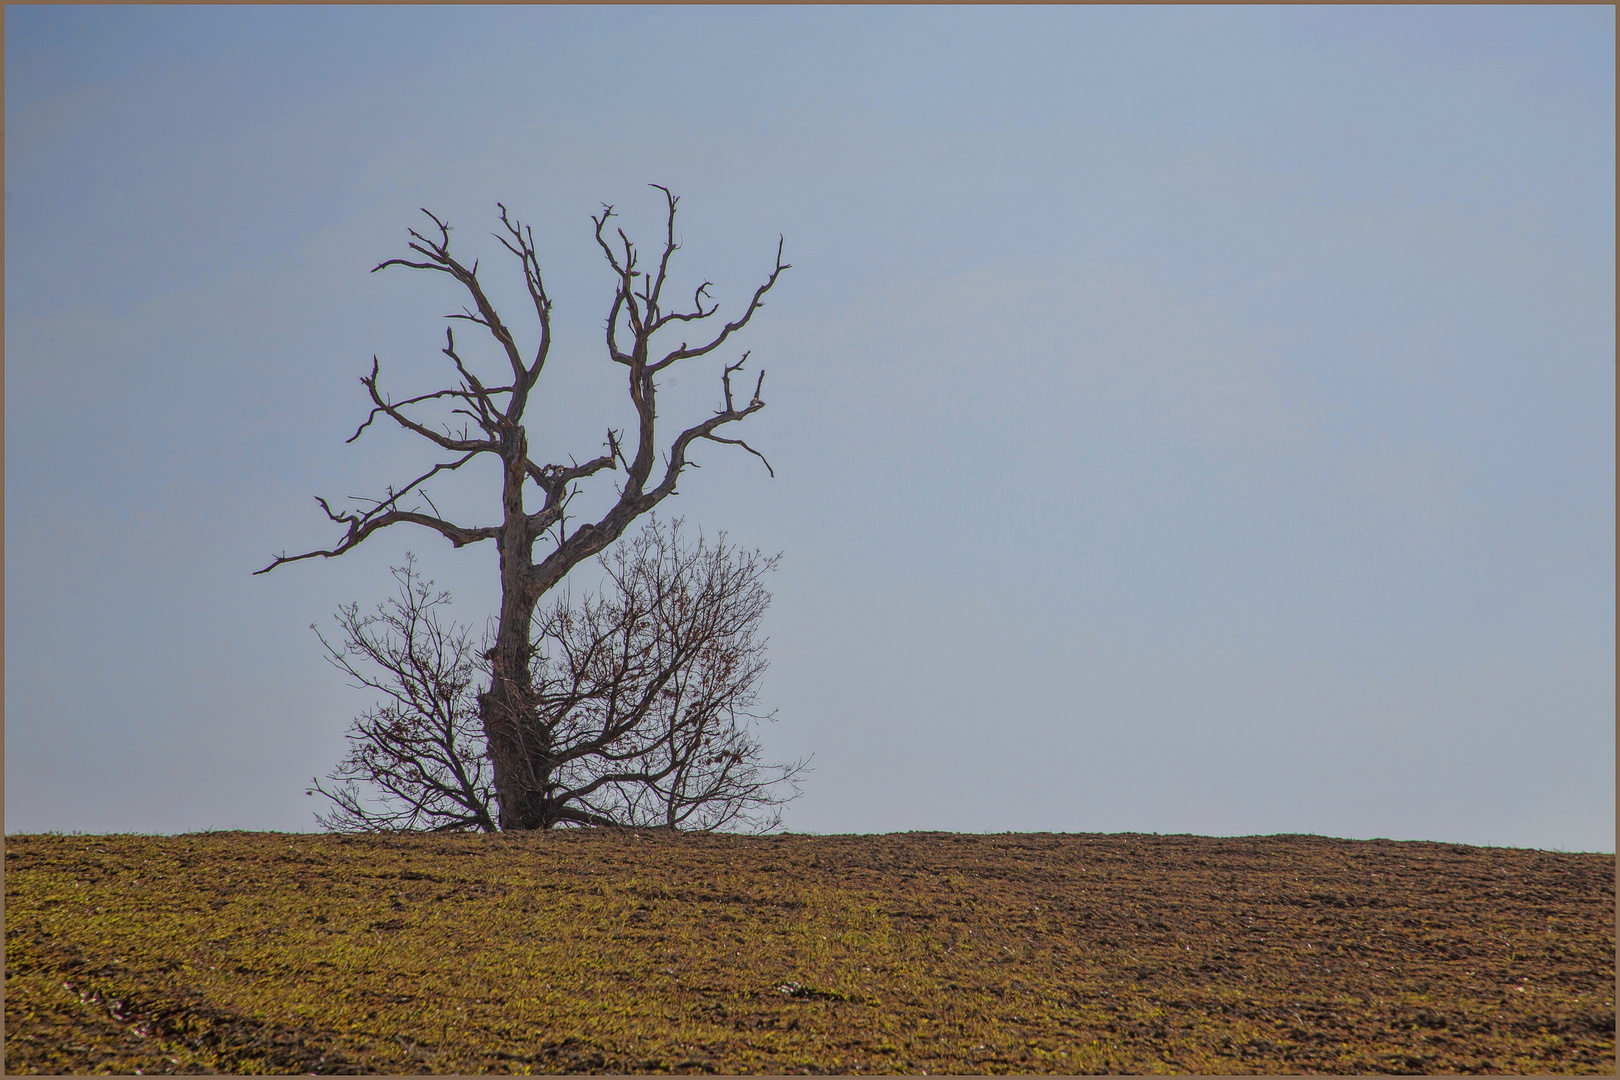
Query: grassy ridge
593	951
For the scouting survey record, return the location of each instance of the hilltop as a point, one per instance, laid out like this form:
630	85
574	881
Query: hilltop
646	952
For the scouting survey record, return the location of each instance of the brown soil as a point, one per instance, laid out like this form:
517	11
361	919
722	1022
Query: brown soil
626	952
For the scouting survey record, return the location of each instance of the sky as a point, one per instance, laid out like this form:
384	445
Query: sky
1183	420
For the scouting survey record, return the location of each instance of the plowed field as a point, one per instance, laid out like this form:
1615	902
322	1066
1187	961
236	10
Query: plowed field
634	952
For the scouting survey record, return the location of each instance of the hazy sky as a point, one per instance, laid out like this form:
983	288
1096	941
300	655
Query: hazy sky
1183	420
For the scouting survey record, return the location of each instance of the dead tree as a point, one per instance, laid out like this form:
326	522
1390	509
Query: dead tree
522	756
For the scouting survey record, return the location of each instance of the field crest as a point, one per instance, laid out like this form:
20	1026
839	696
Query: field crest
642	952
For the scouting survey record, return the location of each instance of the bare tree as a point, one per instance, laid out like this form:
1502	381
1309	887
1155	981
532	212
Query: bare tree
647	687
521	751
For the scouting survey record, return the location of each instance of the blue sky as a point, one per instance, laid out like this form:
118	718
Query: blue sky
1185	420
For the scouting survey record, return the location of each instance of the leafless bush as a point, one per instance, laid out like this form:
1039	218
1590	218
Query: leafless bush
421	748
645	691
648	689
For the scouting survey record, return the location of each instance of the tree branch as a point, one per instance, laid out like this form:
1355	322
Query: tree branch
625	294
670	247
362	526
440	259
391	409
684	353
530	259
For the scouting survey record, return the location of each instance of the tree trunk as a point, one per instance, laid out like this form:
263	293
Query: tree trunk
519	747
